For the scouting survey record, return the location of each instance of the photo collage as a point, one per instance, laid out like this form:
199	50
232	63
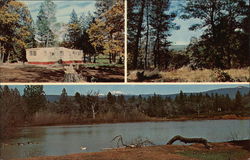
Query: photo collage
125	79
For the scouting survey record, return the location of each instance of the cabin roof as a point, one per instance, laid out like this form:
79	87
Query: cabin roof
50	48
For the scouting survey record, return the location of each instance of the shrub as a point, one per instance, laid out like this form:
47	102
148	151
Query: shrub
222	76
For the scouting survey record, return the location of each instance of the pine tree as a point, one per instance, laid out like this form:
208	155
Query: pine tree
64	103
223	44
46	23
161	22
238	102
103	6
74	32
34	97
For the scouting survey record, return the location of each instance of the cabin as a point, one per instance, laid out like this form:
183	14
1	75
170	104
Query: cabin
52	55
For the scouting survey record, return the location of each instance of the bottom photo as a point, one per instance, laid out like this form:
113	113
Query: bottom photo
132	121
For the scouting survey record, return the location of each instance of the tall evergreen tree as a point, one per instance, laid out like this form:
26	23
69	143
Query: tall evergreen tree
238	101
64	103
222	45
161	22
46	23
34	97
74	32
103	6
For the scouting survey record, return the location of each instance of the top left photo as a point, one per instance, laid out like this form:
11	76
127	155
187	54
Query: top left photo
61	41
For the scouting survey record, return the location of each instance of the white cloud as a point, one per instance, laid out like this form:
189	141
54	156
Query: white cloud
64	8
117	92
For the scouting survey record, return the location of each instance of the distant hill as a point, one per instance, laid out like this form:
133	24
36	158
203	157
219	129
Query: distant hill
178	47
222	91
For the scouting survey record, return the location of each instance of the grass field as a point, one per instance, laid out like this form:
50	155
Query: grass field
186	74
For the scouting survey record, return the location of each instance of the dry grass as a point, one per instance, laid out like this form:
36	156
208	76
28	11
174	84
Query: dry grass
185	74
46	118
132	116
242	75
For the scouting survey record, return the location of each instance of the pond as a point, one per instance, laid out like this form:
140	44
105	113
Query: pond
62	140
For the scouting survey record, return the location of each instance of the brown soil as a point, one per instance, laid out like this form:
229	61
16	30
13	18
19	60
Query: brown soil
32	73
103	73
167	152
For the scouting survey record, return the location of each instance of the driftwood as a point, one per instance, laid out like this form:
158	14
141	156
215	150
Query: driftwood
189	140
138	143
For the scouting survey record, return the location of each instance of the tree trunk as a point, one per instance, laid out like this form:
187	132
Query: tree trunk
138	35
189	140
94	58
93	111
110	58
147	35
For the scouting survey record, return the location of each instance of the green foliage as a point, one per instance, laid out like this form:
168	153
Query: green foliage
16	109
73	36
223	44
106	32
149	26
238	102
12	110
46	23
222	76
65	105
34	97
17	31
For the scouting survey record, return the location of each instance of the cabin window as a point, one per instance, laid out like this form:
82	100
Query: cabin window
61	53
52	54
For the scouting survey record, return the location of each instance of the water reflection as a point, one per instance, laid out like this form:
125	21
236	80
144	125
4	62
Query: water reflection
62	140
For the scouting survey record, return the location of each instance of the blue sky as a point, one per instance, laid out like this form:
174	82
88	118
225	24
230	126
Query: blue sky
131	89
64	8
182	36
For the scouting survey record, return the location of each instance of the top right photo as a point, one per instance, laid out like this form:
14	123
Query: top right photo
188	41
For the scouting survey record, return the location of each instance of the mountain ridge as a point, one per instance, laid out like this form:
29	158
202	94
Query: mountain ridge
220	91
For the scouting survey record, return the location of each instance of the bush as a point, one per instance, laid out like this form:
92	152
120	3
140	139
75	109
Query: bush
222	76
60	61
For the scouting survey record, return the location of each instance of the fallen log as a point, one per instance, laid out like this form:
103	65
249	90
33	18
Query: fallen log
189	140
137	144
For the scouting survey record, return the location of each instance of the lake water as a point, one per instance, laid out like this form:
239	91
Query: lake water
62	140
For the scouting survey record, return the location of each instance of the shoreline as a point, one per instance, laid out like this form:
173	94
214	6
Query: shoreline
238	150
179	119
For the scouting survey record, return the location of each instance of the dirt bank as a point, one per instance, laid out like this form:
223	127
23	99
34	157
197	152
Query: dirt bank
239	150
149	119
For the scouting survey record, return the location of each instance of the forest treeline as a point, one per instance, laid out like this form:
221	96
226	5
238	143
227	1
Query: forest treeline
224	43
32	108
101	32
